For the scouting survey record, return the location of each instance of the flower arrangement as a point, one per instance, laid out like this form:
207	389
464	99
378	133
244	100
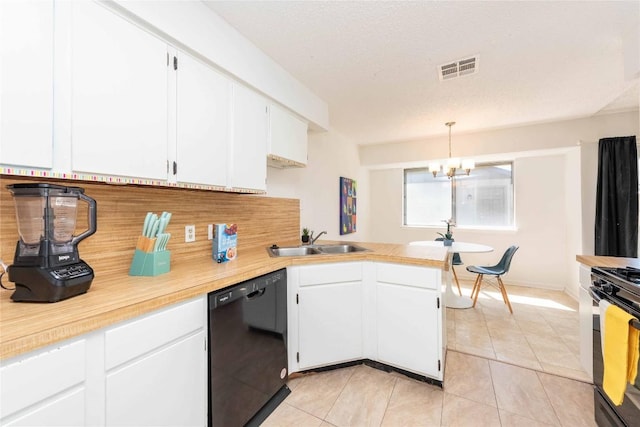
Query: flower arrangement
448	235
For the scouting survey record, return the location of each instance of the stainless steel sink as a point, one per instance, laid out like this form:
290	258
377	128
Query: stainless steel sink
340	249
276	251
293	251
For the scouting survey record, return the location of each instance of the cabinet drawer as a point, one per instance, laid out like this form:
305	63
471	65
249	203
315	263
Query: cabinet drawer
330	273
420	277
133	339
31	380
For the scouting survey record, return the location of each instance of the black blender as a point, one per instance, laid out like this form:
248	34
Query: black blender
46	266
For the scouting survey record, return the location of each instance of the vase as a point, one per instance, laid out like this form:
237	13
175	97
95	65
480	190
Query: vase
447	242
305	239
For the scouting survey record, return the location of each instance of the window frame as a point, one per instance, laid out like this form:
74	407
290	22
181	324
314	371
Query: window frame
512	227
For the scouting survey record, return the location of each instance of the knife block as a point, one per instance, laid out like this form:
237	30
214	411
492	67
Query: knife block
150	263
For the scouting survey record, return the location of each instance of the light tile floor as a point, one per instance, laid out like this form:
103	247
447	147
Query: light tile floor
542	334
501	370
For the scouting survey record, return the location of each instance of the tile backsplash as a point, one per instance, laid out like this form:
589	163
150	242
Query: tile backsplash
261	221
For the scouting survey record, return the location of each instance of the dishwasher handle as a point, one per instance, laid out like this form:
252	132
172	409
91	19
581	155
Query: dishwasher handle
250	290
256	294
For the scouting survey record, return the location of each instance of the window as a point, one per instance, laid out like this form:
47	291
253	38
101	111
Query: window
482	199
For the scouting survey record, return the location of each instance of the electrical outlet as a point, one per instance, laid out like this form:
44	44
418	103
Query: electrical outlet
189	233
210	232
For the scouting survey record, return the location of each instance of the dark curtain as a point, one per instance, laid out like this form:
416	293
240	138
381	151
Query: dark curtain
617	198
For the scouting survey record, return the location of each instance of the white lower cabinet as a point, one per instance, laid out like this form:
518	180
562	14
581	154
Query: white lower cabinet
163	388
385	312
156	368
585	311
330	324
409	318
148	371
46	387
329	314
408	328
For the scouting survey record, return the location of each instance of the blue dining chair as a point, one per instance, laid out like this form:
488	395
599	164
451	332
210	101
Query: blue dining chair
456	260
498	270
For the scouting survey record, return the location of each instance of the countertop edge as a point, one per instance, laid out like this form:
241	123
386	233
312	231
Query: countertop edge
607	261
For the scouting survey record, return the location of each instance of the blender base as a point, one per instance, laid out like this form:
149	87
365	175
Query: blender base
39	284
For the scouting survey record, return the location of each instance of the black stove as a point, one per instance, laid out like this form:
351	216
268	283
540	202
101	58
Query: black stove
620	287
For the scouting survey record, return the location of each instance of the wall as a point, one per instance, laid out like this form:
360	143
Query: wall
330	156
501	142
555	193
573	202
261	221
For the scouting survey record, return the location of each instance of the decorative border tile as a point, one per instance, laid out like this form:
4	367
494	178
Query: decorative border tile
118	180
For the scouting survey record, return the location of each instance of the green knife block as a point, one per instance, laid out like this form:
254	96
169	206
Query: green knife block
150	263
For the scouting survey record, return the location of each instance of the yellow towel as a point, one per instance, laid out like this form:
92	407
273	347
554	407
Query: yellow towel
620	353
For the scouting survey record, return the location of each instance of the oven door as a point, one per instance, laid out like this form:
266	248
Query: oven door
606	413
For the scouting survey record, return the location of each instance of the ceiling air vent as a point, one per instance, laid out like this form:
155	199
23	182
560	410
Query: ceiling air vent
461	67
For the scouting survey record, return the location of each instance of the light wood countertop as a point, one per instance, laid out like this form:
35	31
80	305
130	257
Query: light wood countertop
607	261
116	297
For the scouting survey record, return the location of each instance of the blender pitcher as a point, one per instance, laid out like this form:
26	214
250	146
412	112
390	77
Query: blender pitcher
46	216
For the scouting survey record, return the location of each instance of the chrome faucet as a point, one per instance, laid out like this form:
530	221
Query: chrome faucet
313	239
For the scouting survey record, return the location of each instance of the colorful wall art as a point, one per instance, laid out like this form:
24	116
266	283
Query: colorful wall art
347	205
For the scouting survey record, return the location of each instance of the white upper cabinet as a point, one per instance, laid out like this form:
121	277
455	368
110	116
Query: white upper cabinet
203	106
287	139
123	106
249	140
119	96
26	83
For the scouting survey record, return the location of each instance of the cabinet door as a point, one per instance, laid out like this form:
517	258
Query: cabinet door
119	96
249	147
203	111
66	410
26	83
408	321
287	136
167	387
46	387
330	324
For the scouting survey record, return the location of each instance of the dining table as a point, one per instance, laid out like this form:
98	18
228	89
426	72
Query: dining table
451	299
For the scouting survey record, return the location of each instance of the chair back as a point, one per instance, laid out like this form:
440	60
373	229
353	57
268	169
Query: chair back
505	262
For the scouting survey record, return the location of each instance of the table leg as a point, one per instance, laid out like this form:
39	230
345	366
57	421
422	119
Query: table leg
451	299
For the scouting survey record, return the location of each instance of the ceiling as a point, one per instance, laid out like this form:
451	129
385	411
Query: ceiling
376	63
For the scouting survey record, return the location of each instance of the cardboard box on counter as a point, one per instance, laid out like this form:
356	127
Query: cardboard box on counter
225	242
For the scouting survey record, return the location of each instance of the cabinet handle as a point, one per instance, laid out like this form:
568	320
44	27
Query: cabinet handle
175	62
175	168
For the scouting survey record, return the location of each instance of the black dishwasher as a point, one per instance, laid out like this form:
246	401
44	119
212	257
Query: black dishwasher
248	350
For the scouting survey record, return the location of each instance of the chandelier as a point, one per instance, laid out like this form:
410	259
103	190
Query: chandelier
453	163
